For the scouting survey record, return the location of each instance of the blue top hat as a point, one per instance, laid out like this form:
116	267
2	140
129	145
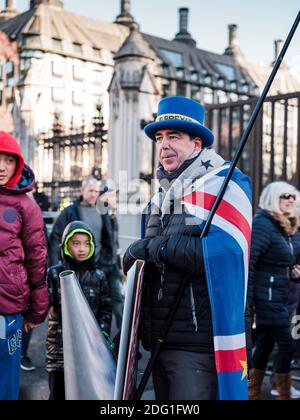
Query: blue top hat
182	114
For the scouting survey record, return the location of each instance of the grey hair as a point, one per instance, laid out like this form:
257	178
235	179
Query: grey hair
270	196
91	180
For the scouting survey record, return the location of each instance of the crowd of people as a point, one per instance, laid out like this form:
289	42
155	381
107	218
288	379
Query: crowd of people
224	318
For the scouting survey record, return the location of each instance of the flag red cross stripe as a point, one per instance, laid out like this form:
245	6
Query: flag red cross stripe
226	210
230	360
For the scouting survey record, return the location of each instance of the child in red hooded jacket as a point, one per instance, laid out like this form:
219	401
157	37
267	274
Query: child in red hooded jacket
23	290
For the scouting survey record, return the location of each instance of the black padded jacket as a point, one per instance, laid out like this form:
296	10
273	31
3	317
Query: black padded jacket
192	326
95	288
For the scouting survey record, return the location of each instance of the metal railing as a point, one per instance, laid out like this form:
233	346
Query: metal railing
273	152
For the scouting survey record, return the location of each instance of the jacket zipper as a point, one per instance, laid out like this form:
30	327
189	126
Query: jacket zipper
272	280
162	275
163	267
193	308
292	251
291	246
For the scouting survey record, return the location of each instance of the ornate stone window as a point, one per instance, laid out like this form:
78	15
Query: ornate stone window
79	72
58	94
78	97
58	68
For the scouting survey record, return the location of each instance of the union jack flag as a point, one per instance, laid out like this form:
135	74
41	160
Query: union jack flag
226	252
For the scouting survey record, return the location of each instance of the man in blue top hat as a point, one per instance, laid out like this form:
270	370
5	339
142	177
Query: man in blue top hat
206	339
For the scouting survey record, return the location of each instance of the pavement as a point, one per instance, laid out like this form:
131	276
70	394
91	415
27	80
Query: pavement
34	384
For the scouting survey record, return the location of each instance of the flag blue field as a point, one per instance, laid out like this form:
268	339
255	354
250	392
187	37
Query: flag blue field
226	256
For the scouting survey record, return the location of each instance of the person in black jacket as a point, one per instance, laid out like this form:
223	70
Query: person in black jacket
77	250
274	252
186	367
90	210
85	209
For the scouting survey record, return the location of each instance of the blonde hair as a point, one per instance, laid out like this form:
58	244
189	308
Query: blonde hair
270	196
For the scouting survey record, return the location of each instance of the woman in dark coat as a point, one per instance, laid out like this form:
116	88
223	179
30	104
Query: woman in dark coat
274	251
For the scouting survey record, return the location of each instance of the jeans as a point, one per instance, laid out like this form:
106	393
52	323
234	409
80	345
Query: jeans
57	386
266	337
184	375
25	342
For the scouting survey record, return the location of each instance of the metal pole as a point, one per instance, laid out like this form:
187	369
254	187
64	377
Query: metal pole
215	207
251	123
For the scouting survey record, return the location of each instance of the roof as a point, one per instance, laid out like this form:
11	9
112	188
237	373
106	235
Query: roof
54	29
135	46
48	27
14	26
198	65
284	81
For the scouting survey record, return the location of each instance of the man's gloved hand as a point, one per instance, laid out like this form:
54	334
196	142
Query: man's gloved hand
156	247
137	251
148	249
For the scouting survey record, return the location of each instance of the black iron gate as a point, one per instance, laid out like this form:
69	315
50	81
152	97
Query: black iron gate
273	151
67	156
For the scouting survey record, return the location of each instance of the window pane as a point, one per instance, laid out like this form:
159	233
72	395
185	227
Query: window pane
57	44
174	57
77	48
181	89
227	70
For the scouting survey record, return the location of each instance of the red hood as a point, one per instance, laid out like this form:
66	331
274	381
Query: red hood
8	144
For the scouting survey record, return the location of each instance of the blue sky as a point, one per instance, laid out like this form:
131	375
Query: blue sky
260	21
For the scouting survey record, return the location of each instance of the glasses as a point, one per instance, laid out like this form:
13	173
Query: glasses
288	196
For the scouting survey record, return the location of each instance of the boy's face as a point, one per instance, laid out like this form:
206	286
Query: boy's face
79	246
8	166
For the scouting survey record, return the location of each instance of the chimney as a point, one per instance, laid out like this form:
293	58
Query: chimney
278	47
183	20
232	35
233	49
125	7
183	34
278	44
10	10
125	18
10	4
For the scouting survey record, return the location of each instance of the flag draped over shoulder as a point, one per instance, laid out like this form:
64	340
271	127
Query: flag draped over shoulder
226	252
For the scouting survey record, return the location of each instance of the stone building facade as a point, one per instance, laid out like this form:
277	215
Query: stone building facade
59	66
